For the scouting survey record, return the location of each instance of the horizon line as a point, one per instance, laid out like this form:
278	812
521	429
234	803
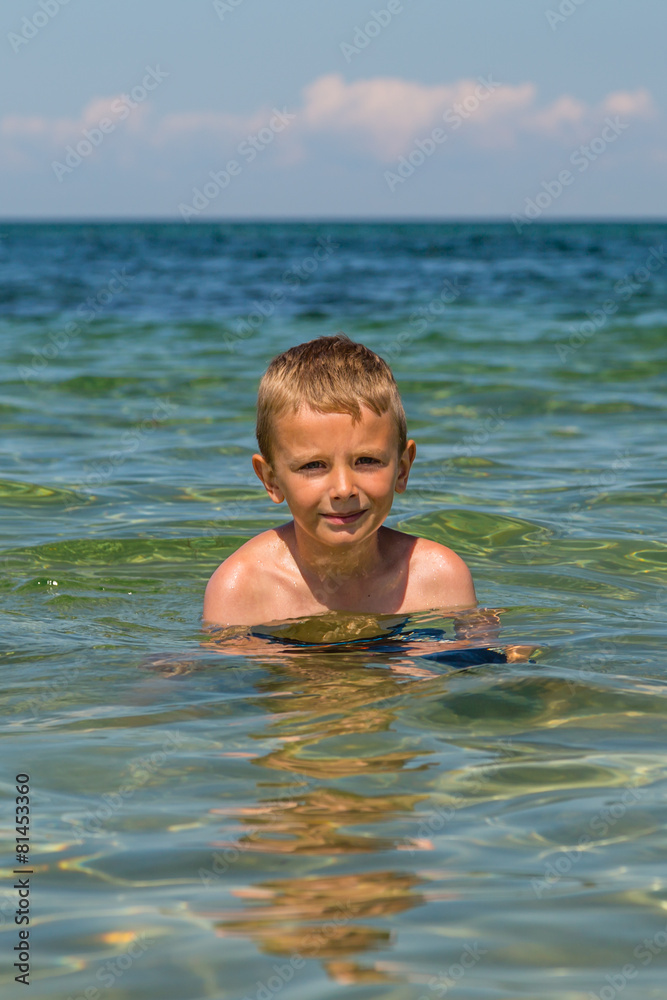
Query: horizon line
332	220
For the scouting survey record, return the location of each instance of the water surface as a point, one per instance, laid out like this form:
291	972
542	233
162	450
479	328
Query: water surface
339	815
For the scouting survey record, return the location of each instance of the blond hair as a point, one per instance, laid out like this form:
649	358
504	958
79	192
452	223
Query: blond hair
330	375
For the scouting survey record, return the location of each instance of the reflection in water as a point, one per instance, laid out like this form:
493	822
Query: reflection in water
333	687
325	707
312	823
326	917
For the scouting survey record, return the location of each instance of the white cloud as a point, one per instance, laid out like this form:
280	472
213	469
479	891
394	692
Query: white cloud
379	118
564	112
218	125
383	116
568	119
29	138
638	104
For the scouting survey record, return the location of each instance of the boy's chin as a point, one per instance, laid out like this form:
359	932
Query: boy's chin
340	533
344	532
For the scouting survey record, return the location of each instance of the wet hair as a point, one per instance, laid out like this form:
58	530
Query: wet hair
330	375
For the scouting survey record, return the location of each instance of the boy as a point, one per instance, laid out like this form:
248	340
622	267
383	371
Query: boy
332	442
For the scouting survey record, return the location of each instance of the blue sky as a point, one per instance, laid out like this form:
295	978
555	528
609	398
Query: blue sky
223	109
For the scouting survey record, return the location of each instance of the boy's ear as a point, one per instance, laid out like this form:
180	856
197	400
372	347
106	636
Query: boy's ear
264	472
404	466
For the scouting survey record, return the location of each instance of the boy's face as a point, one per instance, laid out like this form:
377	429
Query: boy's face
338	477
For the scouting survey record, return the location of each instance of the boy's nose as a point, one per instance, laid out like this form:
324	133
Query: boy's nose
343	485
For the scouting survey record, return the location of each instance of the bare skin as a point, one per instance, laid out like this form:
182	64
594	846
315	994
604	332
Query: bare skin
338	478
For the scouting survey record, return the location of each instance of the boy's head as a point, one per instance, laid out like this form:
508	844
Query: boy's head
332	435
329	375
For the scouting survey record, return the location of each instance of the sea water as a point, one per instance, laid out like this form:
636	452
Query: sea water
328	810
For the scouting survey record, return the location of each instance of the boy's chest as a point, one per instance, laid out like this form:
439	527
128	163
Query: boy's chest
370	594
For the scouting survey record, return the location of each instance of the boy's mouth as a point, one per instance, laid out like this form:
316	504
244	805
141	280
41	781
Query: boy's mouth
344	518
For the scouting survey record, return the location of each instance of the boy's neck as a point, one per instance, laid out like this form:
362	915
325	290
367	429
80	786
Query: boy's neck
337	564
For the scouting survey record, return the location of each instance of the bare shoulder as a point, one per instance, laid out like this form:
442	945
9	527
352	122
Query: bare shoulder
241	585
438	577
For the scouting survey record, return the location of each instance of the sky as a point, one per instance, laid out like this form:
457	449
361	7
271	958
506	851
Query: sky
203	110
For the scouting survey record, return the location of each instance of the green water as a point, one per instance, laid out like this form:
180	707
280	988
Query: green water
351	820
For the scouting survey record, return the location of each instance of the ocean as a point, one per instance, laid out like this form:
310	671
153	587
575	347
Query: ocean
344	817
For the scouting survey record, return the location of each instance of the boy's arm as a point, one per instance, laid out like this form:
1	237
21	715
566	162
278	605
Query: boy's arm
483	626
450	585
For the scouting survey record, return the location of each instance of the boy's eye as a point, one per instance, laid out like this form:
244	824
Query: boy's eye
318	464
